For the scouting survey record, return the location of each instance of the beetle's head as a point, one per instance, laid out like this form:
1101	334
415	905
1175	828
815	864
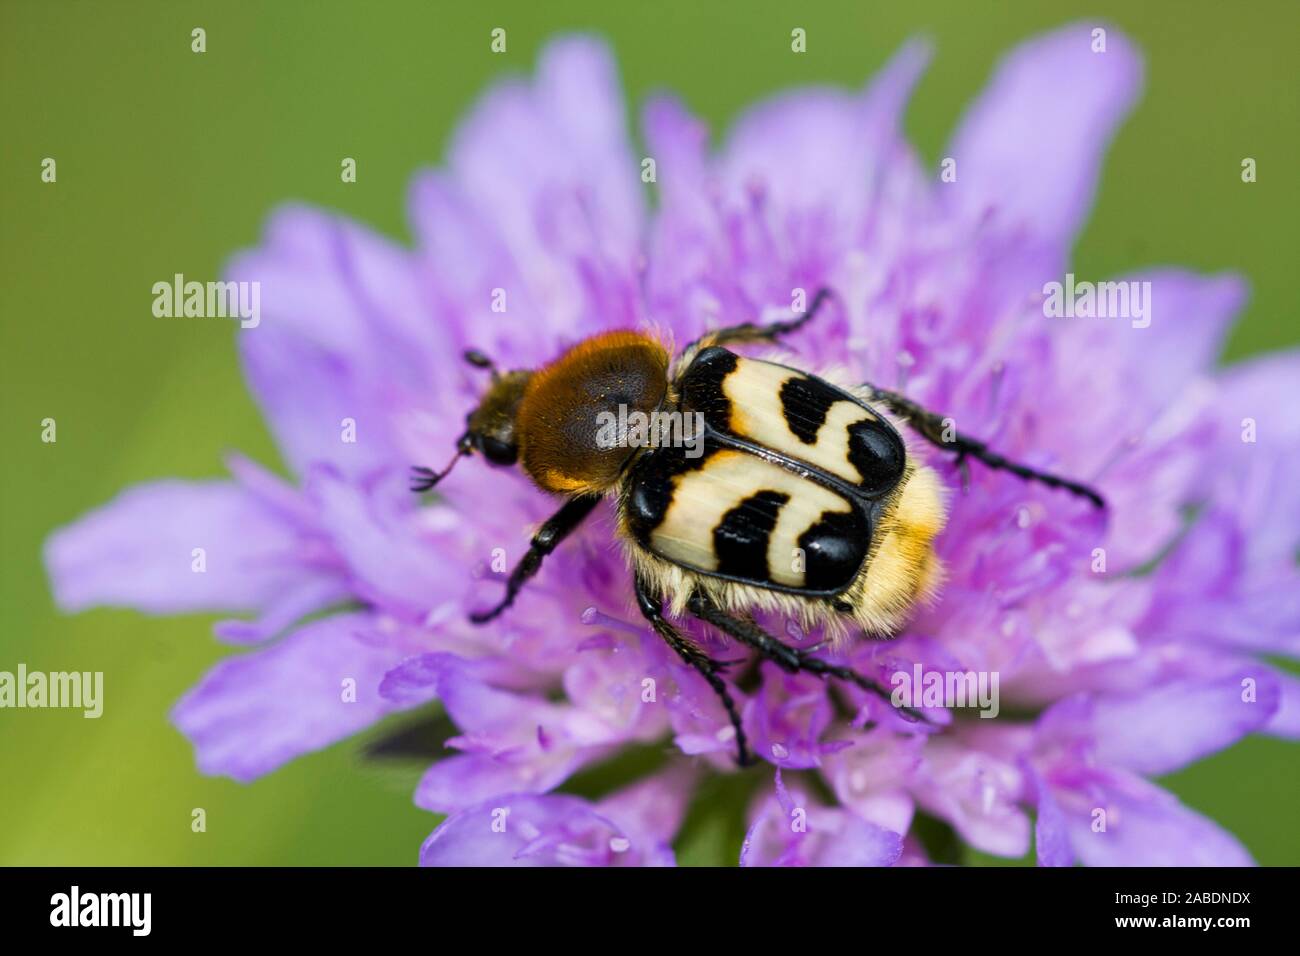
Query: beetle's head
490	427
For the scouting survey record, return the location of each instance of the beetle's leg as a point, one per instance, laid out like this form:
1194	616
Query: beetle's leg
708	668
747	332
932	427
792	660
547	539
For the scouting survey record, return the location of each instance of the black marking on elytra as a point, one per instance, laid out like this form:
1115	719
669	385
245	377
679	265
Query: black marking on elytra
701	386
805	402
741	537
651	486
650	493
878	454
835	549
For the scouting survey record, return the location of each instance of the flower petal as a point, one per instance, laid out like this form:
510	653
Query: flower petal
254	712
1145	826
789	830
389	560
651	810
1258	458
516	829
1051	833
1029	150
977	793
344	336
1286	719
516	742
545	175
465	779
1177	723
822	148
139	550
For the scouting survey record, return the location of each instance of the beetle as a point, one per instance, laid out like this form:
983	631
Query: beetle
793	494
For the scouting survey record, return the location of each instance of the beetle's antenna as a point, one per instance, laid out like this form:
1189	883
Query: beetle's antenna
423	479
479	360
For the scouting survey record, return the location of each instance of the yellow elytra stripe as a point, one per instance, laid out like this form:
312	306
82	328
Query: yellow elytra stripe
759	415
702	498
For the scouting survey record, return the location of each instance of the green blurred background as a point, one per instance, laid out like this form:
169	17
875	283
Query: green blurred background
169	161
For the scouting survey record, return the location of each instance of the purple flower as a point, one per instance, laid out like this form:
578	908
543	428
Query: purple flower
349	599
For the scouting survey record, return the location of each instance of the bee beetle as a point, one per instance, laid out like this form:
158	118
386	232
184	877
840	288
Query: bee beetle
789	494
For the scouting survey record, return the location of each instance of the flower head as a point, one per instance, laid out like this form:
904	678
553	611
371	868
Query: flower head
535	234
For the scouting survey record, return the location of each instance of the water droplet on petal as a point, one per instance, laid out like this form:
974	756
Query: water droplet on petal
779	751
619	844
